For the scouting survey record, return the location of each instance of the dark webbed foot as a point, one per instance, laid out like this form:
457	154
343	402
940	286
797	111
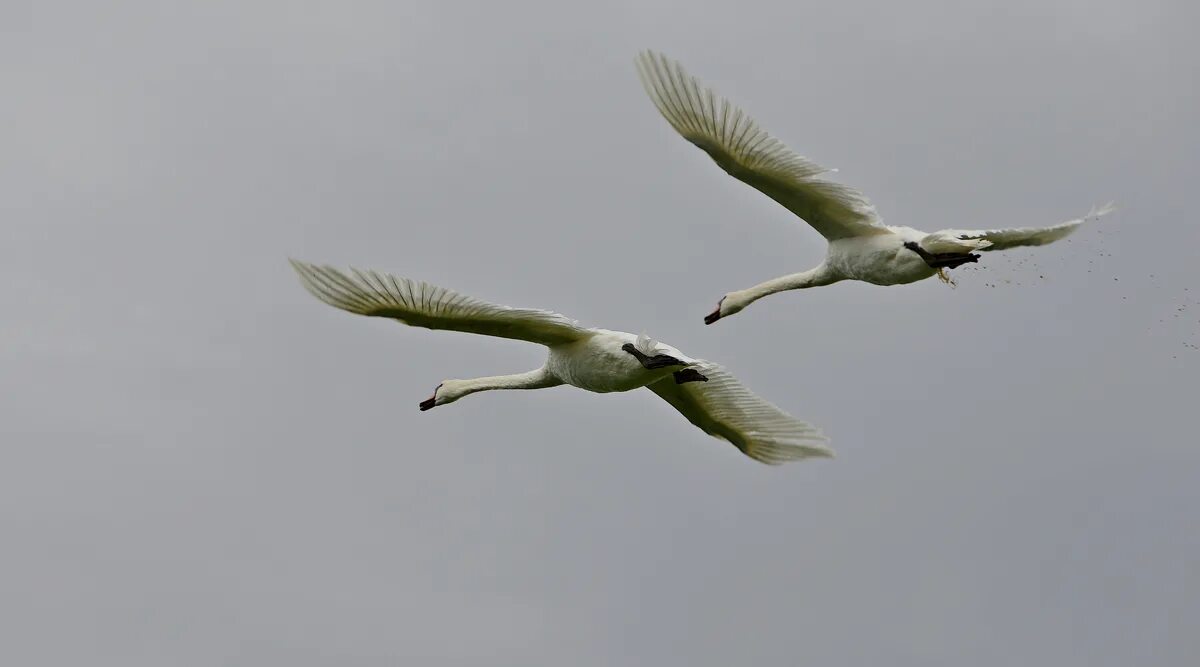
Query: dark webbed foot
689	375
663	361
951	261
652	363
942	260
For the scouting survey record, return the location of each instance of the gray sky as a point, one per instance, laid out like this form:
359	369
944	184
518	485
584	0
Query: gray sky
202	465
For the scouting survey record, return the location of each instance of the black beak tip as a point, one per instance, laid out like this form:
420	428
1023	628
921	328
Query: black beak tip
713	316
427	404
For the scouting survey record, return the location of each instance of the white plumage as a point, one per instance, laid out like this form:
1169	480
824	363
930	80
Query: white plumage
861	247
588	358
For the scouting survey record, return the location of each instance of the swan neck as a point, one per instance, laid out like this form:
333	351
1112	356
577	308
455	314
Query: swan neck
535	379
814	277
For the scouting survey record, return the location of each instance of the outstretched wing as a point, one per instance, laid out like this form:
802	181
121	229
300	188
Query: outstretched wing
420	304
1003	239
751	155
724	408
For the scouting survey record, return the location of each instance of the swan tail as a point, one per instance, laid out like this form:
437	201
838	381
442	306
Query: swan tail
646	345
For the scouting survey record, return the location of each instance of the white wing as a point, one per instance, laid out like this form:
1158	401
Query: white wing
751	155
1003	239
724	408
420	304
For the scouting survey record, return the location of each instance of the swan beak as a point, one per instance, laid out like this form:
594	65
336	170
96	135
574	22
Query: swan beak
713	316
432	400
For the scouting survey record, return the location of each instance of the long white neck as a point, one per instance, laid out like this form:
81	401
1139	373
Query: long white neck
535	379
816	277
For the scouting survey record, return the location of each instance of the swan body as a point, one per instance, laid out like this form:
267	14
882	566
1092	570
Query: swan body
597	363
879	259
860	246
598	360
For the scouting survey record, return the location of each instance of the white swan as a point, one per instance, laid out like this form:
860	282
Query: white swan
861	247
598	360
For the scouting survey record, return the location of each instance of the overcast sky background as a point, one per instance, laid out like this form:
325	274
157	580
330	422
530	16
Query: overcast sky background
202	465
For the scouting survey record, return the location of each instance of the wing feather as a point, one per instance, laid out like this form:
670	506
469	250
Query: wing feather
420	304
750	154
726	409
1003	239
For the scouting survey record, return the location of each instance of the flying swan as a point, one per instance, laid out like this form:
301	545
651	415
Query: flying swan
861	247
597	360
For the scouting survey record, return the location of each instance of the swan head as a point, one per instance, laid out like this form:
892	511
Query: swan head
446	392
729	304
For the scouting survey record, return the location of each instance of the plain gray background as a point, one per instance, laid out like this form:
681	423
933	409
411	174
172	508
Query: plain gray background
202	465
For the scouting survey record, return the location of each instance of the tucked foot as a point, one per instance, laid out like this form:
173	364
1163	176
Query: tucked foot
942	260
652	363
689	375
952	261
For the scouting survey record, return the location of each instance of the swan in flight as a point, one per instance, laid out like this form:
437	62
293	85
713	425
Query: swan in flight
861	247
597	360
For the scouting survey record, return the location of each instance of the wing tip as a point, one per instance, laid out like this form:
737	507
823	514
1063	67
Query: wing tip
814	445
649	56
790	453
306	271
352	291
818	449
1105	209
